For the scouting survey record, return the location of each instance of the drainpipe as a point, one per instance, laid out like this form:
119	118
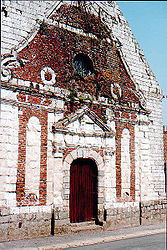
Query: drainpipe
53	212
140	208
52	220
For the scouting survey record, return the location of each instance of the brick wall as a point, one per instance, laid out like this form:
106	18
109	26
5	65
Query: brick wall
23	120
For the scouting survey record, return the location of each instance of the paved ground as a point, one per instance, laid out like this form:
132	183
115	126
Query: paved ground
153	242
84	238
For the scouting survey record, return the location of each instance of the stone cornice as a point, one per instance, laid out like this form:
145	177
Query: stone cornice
62	93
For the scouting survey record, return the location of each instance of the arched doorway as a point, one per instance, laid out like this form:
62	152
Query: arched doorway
83	190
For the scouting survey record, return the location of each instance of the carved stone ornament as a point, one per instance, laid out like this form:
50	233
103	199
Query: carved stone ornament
48	76
7	64
117	96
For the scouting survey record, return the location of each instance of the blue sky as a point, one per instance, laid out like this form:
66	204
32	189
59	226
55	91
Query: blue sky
148	22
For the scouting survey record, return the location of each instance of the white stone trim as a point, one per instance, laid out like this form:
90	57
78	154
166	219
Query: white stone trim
86	153
51	71
83	153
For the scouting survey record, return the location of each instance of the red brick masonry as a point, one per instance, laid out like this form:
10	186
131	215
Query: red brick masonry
42	115
120	126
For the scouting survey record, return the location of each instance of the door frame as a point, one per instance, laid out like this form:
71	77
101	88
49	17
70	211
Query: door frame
83	152
80	169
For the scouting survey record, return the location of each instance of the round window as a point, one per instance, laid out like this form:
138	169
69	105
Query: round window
83	65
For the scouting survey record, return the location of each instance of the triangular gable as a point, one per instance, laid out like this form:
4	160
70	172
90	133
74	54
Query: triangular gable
63	125
54	47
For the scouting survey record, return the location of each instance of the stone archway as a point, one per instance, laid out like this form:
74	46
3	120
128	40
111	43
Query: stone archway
87	154
83	190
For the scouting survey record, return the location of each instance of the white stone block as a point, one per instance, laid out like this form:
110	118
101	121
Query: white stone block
69	159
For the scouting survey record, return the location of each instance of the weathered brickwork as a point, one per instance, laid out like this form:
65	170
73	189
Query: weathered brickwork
27	113
76	87
119	130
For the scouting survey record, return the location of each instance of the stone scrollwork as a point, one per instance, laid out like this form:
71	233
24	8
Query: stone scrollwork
140	96
7	64
116	96
142	99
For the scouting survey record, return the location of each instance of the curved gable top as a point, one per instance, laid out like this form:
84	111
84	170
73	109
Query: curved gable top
53	47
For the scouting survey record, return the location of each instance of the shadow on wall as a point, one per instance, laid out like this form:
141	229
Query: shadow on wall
165	154
165	177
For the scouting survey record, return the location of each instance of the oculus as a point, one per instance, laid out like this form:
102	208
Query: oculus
83	65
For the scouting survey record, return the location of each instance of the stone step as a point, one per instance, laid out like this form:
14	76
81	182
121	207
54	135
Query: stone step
85	226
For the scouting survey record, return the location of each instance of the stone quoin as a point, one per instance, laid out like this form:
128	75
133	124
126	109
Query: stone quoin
81	121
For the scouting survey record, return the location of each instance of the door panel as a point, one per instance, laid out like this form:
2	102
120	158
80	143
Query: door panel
83	190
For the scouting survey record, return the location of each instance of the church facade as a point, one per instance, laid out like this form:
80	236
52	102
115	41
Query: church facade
81	121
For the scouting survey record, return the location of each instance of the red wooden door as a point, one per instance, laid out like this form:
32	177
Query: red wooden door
83	190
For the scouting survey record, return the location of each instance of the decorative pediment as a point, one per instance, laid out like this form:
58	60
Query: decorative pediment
66	59
84	122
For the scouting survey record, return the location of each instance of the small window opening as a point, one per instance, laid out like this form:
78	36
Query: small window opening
83	65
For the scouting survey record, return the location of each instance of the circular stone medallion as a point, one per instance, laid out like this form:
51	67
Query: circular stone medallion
48	76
